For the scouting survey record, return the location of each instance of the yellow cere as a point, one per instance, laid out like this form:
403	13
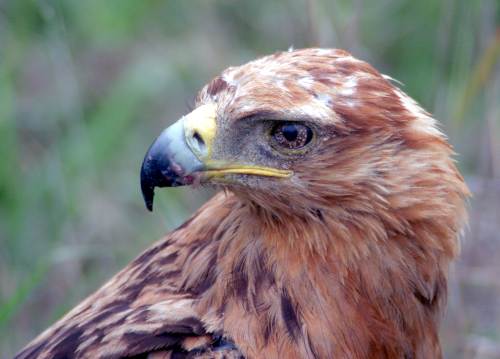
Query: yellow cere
201	121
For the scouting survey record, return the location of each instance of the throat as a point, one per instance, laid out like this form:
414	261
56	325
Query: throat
326	280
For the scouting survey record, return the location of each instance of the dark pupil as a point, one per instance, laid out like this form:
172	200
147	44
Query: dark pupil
292	135
290	132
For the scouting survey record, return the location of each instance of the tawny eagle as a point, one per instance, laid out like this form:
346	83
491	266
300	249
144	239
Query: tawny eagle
338	214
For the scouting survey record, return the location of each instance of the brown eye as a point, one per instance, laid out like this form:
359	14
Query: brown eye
291	135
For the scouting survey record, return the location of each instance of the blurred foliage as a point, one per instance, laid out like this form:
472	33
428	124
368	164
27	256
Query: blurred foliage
85	86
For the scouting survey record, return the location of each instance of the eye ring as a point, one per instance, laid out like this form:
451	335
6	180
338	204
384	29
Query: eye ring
291	135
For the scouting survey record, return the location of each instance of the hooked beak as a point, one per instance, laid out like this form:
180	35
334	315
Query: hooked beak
183	152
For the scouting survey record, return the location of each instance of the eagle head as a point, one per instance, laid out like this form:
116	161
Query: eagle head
303	130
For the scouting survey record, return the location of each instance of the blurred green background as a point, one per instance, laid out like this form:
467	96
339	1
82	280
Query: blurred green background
85	87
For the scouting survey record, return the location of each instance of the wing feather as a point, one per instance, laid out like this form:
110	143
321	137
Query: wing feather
149	306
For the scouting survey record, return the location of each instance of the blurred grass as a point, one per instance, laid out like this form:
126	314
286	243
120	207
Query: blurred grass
85	86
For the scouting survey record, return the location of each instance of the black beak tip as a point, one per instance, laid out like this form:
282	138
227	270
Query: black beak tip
148	192
156	173
148	200
148	181
158	170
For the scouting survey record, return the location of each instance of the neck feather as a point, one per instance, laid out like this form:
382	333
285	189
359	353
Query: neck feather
341	276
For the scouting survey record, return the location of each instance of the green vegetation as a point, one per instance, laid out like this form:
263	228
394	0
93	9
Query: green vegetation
85	87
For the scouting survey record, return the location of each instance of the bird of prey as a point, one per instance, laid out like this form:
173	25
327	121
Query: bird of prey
339	211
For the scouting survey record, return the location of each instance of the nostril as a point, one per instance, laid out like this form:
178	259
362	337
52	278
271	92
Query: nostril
198	139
